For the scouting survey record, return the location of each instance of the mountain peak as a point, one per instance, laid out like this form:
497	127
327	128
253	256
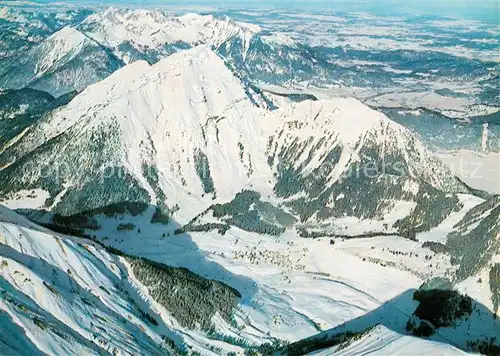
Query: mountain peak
68	31
65	40
348	117
196	63
195	19
203	52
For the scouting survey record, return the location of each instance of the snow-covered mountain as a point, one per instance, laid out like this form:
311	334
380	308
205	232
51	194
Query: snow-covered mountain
62	296
132	127
282	50
474	242
442	133
151	35
185	132
64	62
337	158
377	340
150	163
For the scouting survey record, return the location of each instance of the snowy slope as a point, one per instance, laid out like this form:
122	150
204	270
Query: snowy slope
261	55
293	288
20	109
301	51
66	295
337	157
474	244
382	341
478	169
64	62
137	34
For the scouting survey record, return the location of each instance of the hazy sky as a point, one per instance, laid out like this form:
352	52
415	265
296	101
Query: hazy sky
480	9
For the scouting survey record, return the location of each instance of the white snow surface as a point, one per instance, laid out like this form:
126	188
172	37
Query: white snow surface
291	288
66	61
66	42
382	341
348	124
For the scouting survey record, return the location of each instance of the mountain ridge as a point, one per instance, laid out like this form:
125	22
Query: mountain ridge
66	61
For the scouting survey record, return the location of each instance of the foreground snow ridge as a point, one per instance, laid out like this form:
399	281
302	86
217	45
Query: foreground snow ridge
381	341
63	294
